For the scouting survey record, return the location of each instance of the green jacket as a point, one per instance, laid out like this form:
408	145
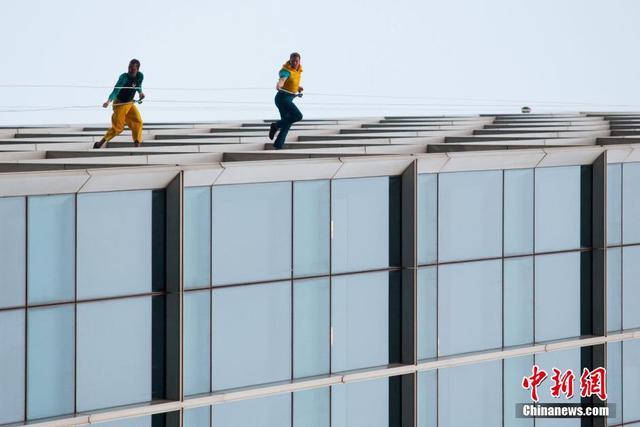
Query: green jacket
122	81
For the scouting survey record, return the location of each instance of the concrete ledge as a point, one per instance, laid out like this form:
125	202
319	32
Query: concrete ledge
335	379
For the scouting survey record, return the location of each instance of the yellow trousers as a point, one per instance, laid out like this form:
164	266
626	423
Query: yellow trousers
125	113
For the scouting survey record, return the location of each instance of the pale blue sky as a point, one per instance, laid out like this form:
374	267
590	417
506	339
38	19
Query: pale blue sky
569	51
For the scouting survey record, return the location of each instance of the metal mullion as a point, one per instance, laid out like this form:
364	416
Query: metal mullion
409	293
75	313
180	289
84	301
210	293
103	299
292	298
503	387
437	297
507	257
621	289
502	211
414	224
302	278
599	284
533	259
533	268
331	226
622	381
26	303
174	313
621	204
622	246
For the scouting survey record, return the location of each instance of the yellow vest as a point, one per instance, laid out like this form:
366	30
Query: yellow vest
293	82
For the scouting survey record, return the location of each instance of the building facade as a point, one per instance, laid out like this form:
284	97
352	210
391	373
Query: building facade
391	272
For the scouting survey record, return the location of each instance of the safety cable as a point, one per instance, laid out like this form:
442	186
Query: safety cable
477	101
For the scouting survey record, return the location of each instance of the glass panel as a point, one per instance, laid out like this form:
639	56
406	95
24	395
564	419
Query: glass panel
251	232
310	327
518	211
469	307
630	287
427	312
428	398
614	380
557	208
470	215
198	417
197	347
311	408
518	301
13	220
251	335
614	204
614	289
311	219
630	203
631	380
563	360
557	296
114	243
465	393
197	236
427	218
114	353
514	370
51	355
360	404
360	214
272	411
51	250
360	320
12	344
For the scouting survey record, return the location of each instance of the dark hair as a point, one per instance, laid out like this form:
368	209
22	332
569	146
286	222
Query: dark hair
293	55
135	62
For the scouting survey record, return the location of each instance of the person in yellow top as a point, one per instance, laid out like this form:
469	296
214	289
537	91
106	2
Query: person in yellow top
124	107
288	88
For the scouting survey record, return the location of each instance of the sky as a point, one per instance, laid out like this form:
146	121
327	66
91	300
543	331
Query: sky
218	60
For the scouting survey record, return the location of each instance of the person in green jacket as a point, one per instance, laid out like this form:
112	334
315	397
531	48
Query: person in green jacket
124	107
